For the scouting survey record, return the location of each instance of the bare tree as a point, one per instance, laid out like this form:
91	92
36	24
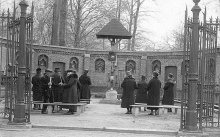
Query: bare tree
175	41
84	19
43	21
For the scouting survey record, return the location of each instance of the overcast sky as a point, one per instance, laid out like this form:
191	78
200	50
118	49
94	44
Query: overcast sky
171	13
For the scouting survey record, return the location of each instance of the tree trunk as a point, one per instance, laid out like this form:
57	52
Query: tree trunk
62	27
130	24
135	25
56	23
77	25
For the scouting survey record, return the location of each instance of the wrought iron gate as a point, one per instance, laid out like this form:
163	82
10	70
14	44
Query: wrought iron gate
208	115
10	41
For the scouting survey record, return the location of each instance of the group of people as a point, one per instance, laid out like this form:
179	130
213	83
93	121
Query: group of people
147	92
53	87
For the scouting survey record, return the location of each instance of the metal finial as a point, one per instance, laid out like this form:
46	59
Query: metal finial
196	2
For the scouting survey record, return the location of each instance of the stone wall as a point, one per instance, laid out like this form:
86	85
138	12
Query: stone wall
86	60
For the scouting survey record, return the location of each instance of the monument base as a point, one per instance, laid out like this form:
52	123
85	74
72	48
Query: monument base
111	97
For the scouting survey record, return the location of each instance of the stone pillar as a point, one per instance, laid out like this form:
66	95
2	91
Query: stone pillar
19	114
191	114
143	66
87	61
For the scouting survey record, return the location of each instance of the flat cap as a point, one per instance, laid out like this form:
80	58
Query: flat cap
48	70
70	70
38	69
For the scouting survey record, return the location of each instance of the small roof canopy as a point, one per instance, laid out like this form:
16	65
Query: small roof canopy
114	29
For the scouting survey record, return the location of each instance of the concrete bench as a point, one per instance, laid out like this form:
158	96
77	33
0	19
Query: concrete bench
85	100
136	108
162	108
80	107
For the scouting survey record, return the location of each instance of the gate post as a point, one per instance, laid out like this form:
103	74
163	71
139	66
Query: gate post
19	114
191	113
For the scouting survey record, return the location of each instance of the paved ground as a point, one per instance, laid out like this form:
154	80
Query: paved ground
97	121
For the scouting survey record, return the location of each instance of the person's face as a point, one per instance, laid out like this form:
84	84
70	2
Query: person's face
69	73
49	74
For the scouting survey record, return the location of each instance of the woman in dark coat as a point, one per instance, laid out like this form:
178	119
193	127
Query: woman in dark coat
153	89
70	91
168	97
85	82
141	96
128	85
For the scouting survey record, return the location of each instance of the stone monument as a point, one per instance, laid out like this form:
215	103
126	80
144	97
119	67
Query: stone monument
113	31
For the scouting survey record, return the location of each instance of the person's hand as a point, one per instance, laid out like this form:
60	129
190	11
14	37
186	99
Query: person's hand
49	83
60	83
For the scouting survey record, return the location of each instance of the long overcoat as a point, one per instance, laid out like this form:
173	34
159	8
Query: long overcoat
57	89
85	82
37	87
153	89
168	97
141	96
70	91
129	85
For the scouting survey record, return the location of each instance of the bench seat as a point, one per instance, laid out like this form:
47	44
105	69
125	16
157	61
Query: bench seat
162	108
80	106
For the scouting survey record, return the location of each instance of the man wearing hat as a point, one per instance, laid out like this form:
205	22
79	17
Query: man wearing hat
85	82
70	90
37	88
46	81
56	85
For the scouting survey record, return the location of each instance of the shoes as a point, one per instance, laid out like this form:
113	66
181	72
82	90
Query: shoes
150	114
43	112
69	113
128	112
156	113
169	110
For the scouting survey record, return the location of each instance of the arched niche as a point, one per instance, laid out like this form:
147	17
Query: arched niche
74	63
130	66
100	65
156	66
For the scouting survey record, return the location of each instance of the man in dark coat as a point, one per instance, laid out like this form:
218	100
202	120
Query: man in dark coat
153	89
129	86
141	96
85	83
37	88
46	81
56	85
168	97
70	91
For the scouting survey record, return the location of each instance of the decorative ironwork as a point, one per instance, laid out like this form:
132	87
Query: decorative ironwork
100	65
130	66
17	68
74	63
207	97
